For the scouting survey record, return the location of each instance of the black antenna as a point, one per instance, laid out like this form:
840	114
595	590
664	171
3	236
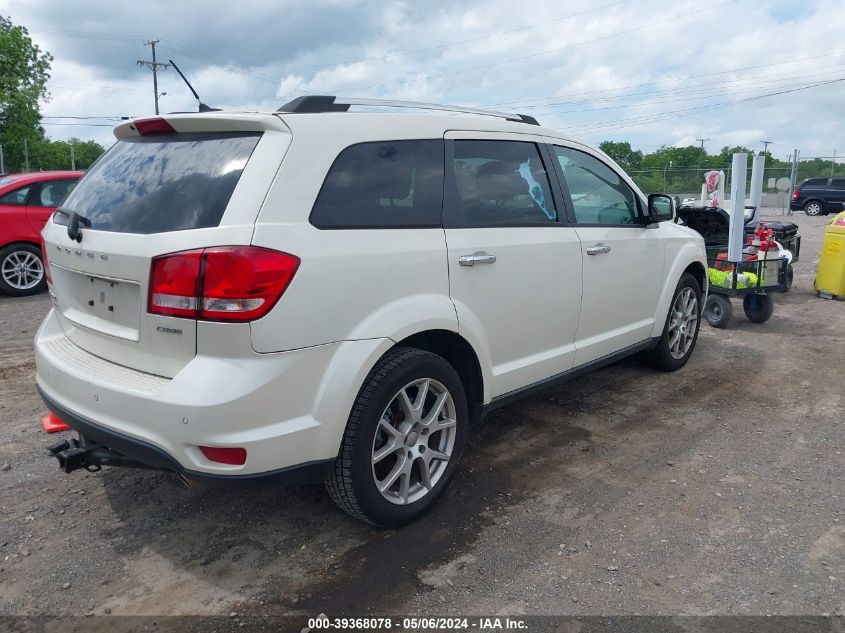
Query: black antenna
202	107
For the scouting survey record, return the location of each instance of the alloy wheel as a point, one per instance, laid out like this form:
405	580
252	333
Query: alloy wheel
414	441
814	208
683	322
22	270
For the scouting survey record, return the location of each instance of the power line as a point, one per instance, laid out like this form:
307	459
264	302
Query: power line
621	123
636	100
521	102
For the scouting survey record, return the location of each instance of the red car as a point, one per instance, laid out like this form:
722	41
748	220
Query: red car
26	203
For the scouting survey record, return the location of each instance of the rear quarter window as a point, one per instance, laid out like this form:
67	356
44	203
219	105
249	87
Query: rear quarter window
161	183
816	183
395	184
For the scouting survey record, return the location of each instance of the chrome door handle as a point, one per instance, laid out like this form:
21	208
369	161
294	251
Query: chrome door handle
598	249
479	257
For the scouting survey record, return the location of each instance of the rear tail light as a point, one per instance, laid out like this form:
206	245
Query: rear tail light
223	283
151	127
174	284
233	456
796	194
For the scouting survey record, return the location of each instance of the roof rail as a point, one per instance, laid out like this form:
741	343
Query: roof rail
327	103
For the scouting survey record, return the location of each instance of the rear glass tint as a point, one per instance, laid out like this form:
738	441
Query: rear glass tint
383	185
162	183
816	182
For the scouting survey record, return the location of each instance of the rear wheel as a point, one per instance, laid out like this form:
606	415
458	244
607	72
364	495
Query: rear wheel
21	270
403	441
758	308
717	311
813	207
682	325
788	278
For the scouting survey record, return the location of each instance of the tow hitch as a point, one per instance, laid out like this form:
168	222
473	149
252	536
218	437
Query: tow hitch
74	454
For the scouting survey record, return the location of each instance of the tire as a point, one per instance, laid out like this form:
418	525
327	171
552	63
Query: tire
381	418
21	270
718	310
758	308
814	208
666	355
788	278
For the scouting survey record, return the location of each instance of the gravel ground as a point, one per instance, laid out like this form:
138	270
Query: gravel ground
714	490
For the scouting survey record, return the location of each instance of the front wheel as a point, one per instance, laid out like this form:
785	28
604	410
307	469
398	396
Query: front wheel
403	440
21	270
717	311
682	324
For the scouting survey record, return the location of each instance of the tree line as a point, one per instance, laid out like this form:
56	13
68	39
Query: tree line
24	72
682	169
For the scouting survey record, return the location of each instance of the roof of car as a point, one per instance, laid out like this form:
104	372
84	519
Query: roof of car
36	176
379	124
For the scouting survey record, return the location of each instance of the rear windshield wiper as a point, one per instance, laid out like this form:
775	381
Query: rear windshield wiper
74	223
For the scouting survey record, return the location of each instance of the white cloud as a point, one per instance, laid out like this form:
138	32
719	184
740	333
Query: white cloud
571	73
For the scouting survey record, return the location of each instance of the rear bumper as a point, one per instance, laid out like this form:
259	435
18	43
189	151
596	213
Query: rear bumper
287	410
156	458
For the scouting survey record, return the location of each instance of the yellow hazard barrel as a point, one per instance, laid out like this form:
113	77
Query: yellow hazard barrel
830	276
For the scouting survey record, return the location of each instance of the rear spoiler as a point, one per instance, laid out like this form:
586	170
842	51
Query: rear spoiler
193	122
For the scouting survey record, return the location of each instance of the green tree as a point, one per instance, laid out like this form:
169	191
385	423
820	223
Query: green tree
24	71
620	151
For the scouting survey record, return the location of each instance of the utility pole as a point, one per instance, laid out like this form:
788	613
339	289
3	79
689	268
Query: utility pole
72	157
26	155
702	140
2	162
766	145
832	163
153	66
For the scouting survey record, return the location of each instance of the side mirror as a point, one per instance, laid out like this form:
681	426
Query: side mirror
661	207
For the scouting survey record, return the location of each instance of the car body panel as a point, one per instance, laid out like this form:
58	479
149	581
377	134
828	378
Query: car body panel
283	385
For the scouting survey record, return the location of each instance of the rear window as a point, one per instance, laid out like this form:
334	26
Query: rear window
383	185
161	183
816	182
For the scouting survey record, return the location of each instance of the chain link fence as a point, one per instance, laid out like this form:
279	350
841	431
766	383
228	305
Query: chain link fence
686	182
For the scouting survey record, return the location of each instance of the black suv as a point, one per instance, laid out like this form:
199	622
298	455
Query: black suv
819	196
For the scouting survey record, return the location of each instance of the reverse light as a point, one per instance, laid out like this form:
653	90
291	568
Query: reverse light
222	283
151	127
222	455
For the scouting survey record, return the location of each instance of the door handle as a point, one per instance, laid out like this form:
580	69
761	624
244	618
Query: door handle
479	257
598	249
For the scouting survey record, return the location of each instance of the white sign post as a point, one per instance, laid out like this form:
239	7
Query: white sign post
736	234
758	166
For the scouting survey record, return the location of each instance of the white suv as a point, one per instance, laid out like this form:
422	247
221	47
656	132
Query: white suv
321	294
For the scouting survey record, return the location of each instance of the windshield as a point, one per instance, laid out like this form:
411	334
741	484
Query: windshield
161	183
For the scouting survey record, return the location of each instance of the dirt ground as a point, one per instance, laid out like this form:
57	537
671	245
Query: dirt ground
719	489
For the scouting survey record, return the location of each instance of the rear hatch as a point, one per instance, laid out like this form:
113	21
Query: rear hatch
170	184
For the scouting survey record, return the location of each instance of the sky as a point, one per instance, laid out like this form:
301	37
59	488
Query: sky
647	71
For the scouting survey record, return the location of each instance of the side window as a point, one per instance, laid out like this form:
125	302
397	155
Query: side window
17	197
383	185
838	183
599	195
53	193
500	182
816	182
